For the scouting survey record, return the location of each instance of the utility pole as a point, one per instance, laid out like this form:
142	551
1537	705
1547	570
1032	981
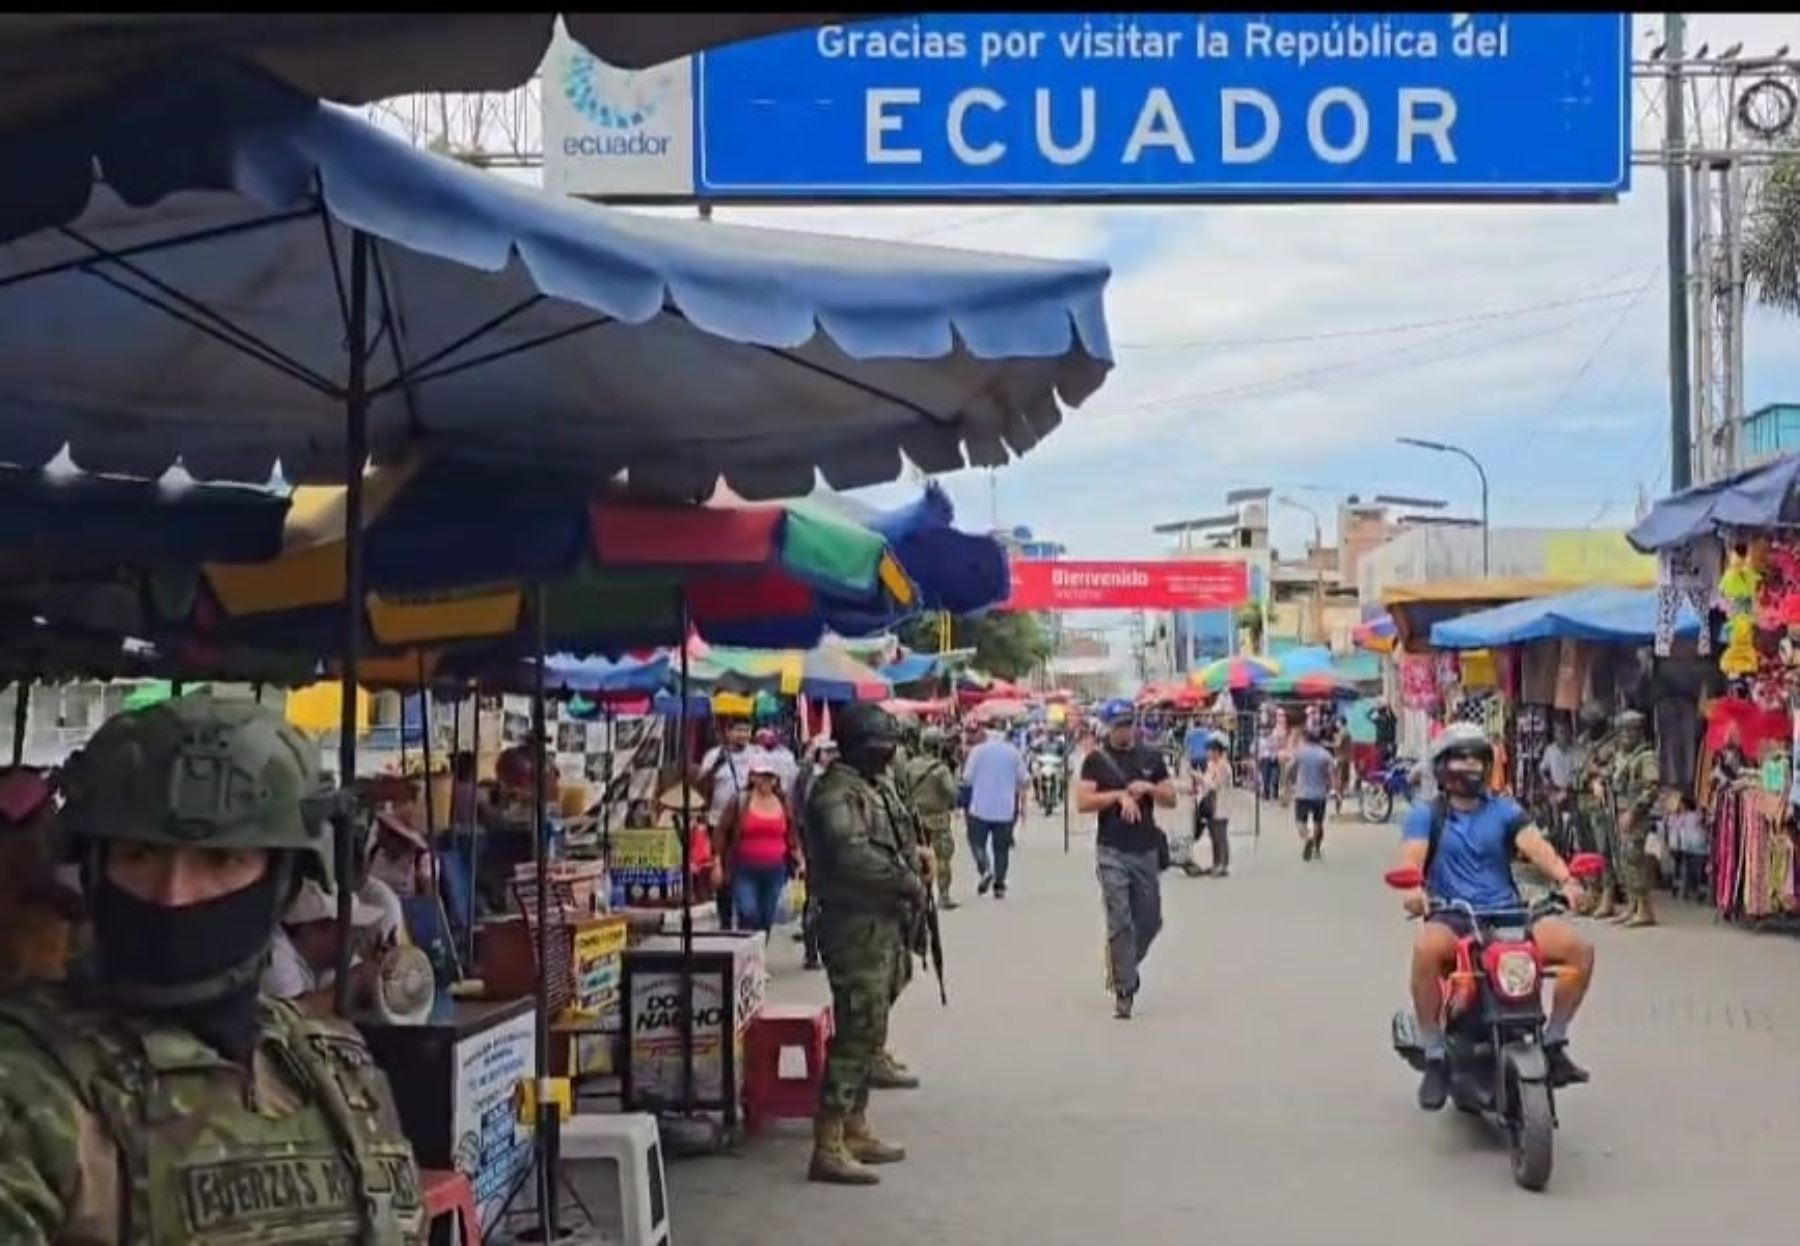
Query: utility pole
1681	431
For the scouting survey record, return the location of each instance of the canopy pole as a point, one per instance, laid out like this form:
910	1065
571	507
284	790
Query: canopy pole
687	871
356	450
548	1124
431	827
474	815
21	719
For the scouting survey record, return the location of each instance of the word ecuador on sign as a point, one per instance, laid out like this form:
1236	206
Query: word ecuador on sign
1186	584
1172	105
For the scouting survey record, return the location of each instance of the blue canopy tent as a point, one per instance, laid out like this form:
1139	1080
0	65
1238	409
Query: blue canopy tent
1607	615
1762	497
597	677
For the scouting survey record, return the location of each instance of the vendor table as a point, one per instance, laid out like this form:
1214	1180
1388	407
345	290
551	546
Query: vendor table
453	1082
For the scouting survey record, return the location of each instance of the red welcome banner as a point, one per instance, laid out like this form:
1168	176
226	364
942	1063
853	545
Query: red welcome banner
1180	584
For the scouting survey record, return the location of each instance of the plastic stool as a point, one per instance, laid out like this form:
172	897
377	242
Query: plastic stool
630	1140
767	1094
448	1193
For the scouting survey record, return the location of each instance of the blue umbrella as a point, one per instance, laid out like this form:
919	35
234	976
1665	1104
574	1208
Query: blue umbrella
495	319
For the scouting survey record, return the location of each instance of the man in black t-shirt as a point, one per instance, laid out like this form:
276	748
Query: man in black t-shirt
1123	783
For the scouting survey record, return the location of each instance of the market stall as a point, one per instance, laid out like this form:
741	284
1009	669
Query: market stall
1729	550
380	298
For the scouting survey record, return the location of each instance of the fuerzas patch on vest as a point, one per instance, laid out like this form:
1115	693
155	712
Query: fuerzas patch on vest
268	1190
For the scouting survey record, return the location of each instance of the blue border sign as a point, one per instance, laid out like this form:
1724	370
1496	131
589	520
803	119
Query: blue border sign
1172	105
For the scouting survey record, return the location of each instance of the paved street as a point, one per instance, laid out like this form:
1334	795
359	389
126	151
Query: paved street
1254	1099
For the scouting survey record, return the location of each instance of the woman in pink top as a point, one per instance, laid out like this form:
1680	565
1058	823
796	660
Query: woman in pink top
757	846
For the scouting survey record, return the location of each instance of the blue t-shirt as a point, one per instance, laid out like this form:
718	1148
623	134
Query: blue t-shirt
1474	854
1197	740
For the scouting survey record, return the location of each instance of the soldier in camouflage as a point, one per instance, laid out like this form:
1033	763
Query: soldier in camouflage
931	786
865	872
1635	785
1593	776
159	1098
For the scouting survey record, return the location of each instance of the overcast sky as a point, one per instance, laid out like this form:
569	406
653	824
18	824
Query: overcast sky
1270	345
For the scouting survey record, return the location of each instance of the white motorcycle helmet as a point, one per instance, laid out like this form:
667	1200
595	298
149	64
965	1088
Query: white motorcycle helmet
1462	759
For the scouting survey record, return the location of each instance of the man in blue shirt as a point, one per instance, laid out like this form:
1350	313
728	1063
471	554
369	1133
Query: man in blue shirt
998	780
1473	863
1199	735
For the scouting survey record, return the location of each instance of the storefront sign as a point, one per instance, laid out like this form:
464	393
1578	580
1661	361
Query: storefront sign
492	1148
1183	584
1108	105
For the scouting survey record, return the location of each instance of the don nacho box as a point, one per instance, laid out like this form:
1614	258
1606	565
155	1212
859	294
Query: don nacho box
729	982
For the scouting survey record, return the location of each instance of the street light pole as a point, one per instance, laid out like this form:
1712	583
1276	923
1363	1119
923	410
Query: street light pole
1443	448
1318	571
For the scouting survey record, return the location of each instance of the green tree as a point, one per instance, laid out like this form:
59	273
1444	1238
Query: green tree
1772	236
1007	643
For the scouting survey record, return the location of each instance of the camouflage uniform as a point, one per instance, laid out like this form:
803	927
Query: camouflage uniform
118	1123
120	1128
869	895
931	787
1596	811
1634	789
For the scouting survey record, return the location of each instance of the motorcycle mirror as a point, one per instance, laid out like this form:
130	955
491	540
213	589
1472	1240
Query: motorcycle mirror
1405	878
1587	865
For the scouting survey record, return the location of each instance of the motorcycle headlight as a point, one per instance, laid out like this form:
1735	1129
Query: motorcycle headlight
1516	974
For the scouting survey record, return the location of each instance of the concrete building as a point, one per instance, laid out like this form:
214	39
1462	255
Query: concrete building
1425	554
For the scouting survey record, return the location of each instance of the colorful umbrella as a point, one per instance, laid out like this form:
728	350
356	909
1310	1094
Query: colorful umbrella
1314	685
999	709
1234	674
1377	635
449	552
826	673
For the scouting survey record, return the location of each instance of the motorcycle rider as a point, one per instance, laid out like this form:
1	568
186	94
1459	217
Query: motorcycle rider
1478	832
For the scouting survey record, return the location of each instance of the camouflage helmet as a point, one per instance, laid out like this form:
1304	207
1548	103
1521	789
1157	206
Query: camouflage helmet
1628	720
196	772
1593	714
862	722
932	737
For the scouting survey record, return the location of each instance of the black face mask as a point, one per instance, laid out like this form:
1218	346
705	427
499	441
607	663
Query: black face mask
172	958
868	757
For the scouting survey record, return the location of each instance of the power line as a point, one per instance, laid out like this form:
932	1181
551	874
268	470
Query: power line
1361	369
1411	326
1587	364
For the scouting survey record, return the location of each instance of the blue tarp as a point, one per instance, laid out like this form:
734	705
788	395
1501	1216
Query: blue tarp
961	572
61	516
1762	497
140	319
1615	615
912	668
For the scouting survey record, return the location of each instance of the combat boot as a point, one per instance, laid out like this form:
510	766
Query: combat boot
832	1161
1604	906
1641	915
887	1073
945	902
864	1146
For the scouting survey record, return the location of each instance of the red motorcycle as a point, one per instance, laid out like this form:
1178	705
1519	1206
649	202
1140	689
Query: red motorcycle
1493	1022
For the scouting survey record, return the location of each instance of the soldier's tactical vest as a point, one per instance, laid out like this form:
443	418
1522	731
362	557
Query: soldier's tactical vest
200	1164
932	811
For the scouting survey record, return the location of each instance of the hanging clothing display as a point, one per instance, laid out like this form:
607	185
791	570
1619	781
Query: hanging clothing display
1537	672
1685	573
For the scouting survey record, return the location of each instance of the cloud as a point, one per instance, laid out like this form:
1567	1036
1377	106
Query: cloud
1289	345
